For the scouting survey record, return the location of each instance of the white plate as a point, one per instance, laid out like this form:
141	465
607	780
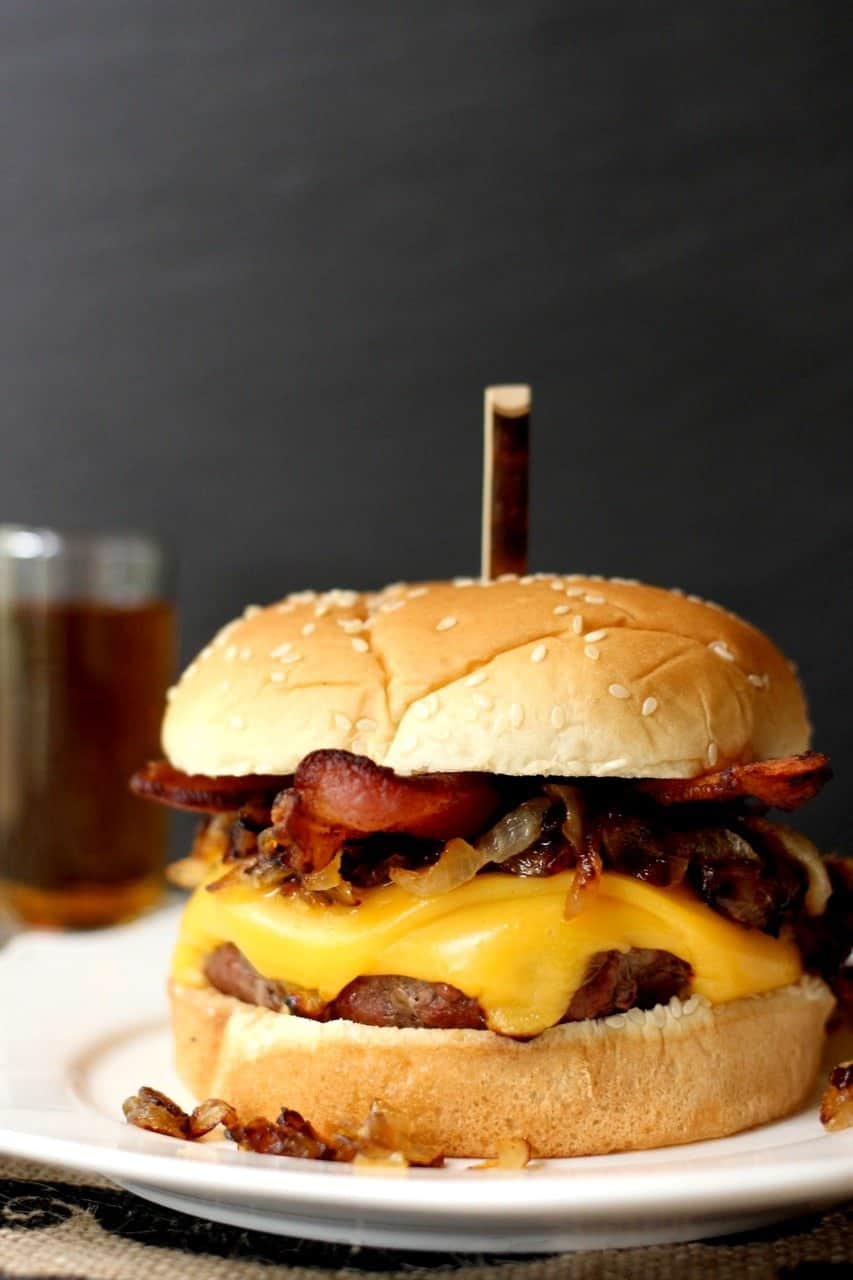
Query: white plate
84	1026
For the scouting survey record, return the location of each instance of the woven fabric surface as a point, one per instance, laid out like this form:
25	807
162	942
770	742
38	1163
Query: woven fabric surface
70	1226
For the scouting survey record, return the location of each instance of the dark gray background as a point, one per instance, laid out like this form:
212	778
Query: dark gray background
259	260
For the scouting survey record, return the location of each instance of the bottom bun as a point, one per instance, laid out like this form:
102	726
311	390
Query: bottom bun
674	1074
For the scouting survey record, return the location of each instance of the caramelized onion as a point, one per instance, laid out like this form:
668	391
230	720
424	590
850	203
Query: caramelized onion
836	1105
801	850
460	861
385	1138
209	848
572	798
587	878
328	877
512	1154
589	866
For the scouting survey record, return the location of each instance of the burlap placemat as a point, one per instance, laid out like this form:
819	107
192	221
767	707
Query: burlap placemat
67	1226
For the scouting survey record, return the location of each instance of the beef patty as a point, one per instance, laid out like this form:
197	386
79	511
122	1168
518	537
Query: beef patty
614	981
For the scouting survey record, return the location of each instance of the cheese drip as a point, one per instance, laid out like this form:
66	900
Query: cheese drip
502	939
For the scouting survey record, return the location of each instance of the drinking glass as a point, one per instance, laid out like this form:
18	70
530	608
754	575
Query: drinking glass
87	649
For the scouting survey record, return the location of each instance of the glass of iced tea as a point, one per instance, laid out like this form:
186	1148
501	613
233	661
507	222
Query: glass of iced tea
87	649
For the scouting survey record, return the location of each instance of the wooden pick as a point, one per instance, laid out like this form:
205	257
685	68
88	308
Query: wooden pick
506	464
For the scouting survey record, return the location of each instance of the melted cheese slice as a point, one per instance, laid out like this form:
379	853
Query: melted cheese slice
502	939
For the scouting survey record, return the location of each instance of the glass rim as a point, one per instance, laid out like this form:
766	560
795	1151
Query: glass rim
41	542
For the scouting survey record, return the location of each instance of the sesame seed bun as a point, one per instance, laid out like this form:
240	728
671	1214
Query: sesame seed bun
671	1075
561	676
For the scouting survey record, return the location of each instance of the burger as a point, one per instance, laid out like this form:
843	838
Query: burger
498	855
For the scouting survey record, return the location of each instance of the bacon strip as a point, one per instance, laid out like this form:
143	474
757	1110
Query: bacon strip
350	791
338	796
785	783
158	780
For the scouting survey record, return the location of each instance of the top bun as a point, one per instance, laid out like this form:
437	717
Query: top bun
546	674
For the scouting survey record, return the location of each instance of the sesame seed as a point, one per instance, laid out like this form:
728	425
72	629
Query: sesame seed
417	592
292	657
426	707
483	700
618	691
276	676
610	765
592	636
562	609
694	599
507	577
170	693
251	610
558	716
527	579
281	649
230	653
391	606
342	599
236	722
351	625
574	591
463	582
287	607
192	670
245	654
396	587
556	584
649	707
592	598
206	653
722	650
577	624
302	597
321	609
475	678
713	753
359	644
365	724
342	721
516	715
444	624
757	680
538	654
309	628
592	652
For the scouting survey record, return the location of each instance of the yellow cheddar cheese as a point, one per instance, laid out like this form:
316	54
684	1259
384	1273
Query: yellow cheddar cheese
502	939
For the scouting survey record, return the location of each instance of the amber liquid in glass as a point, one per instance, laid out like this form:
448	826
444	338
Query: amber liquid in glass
81	699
